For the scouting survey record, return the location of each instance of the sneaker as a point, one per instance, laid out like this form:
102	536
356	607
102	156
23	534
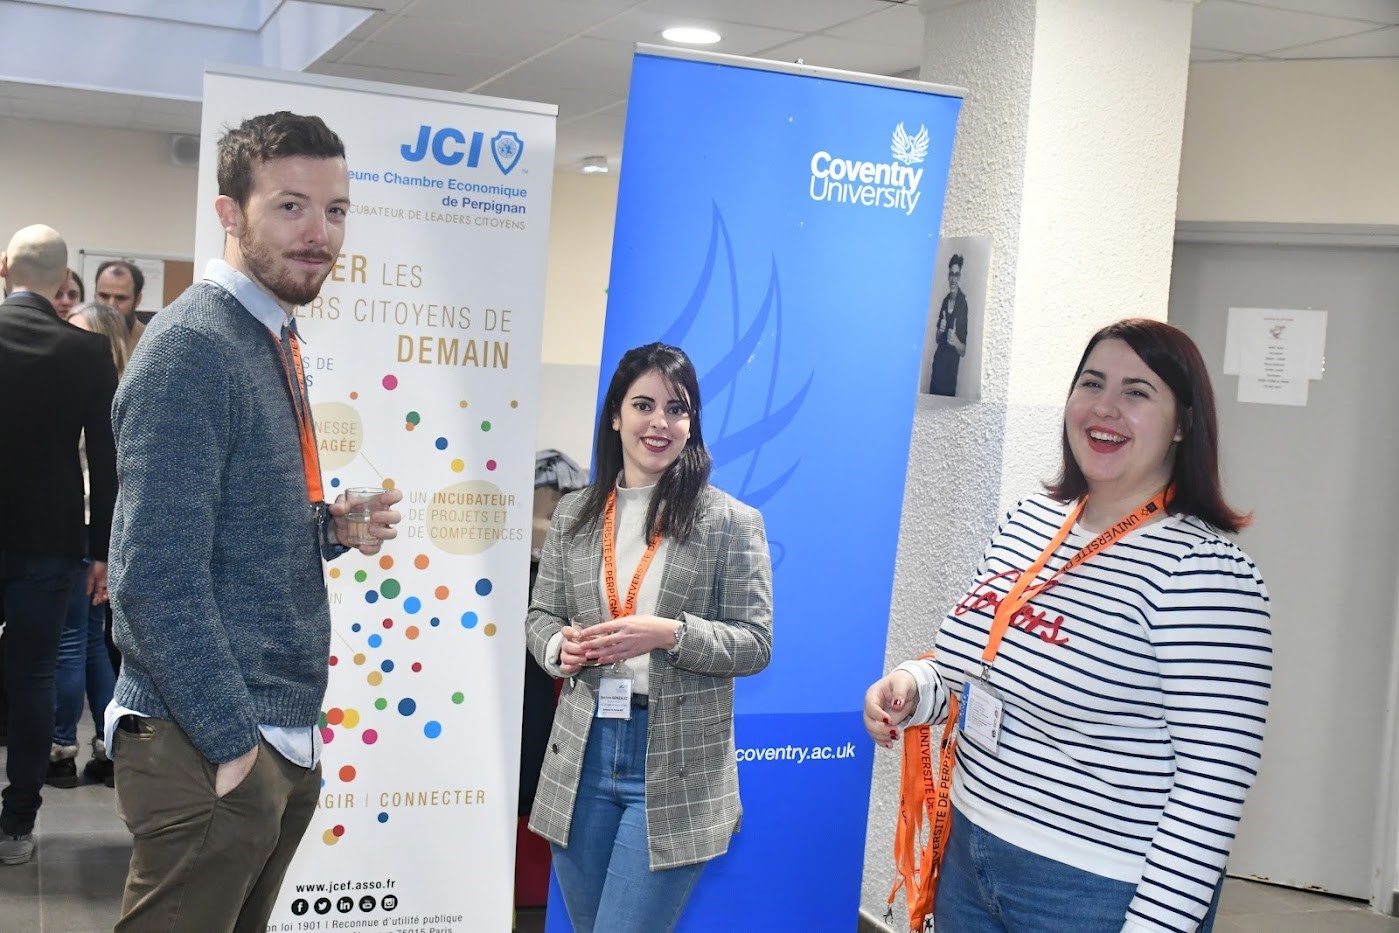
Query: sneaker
16	850
99	768
63	766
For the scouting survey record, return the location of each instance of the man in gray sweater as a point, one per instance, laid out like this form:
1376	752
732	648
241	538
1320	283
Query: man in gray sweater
218	596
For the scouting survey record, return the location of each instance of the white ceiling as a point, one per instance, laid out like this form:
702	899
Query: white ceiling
574	53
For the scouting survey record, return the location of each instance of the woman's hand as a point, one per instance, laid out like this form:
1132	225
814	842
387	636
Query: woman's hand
888	702
627	637
571	656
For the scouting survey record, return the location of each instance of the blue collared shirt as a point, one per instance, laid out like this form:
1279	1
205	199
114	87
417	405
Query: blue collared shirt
301	745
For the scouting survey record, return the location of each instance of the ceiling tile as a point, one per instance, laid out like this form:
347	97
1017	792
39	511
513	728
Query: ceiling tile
900	25
570	16
1375	11
846	55
1244	27
431	60
1377	43
793	15
515	41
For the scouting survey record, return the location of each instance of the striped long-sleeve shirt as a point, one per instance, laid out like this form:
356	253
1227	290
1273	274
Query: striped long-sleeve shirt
1135	688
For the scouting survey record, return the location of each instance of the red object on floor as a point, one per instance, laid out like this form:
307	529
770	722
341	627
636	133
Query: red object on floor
531	867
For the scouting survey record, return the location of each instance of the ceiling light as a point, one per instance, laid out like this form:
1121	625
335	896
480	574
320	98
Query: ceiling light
690	35
595	165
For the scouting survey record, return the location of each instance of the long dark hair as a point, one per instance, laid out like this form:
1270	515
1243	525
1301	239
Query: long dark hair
676	503
1173	356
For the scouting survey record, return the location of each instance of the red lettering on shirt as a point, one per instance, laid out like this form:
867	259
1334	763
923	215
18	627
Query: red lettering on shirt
1027	618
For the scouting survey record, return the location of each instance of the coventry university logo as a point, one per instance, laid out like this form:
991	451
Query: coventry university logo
909	149
873	184
506	147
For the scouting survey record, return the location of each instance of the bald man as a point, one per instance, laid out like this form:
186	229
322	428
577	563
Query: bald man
56	382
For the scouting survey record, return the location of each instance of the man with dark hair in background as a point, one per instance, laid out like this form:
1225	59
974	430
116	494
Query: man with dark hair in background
119	284
218	592
56	382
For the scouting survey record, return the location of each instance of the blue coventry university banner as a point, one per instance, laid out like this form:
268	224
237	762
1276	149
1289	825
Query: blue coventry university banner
780	223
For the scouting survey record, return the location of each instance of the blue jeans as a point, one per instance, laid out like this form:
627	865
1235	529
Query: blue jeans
605	872
34	595
988	885
82	663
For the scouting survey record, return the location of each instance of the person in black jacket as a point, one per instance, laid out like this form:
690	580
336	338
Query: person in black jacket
56	382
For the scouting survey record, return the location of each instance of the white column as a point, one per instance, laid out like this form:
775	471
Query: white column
1067	155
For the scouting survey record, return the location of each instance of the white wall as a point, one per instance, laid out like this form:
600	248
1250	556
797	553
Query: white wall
1292	142
103	189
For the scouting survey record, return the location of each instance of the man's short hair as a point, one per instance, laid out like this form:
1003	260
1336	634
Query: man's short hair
138	278
956	260
271	136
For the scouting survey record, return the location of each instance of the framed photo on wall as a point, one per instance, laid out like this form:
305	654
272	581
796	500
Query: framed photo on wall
952	349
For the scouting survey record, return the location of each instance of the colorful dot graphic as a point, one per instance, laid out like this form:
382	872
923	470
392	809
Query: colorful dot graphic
390	644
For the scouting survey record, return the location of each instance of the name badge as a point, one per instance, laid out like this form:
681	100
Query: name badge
614	697
980	717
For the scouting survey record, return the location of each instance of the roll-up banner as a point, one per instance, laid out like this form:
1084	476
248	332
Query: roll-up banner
780	223
423	356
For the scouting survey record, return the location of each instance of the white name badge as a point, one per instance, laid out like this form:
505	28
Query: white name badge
980	719
614	697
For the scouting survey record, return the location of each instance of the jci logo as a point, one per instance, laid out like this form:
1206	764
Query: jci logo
450	146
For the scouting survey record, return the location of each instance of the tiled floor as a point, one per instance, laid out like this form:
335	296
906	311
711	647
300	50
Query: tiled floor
74	883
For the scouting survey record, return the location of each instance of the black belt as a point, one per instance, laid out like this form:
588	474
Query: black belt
640	701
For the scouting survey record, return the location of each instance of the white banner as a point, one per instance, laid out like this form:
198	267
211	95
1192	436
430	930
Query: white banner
423	353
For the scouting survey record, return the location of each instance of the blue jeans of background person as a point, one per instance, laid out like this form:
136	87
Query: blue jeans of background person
34	591
988	885
605	872
82	663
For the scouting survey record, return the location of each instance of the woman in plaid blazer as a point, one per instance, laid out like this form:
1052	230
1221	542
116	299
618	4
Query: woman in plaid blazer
639	786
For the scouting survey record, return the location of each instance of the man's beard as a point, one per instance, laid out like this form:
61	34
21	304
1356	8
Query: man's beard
282	282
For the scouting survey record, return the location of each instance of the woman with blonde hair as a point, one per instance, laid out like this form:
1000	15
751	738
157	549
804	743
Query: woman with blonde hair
84	660
103	319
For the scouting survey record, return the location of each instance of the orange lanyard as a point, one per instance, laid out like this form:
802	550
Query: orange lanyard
609	562
1021	592
310	457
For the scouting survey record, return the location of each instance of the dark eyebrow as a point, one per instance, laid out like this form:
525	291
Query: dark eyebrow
1130	380
642	398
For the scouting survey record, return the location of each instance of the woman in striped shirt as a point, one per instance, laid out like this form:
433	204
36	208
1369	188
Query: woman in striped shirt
1112	662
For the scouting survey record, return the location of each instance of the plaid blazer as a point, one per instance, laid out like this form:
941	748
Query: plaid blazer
720	583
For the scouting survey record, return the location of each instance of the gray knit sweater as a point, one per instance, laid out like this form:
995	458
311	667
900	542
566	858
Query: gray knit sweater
218	598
